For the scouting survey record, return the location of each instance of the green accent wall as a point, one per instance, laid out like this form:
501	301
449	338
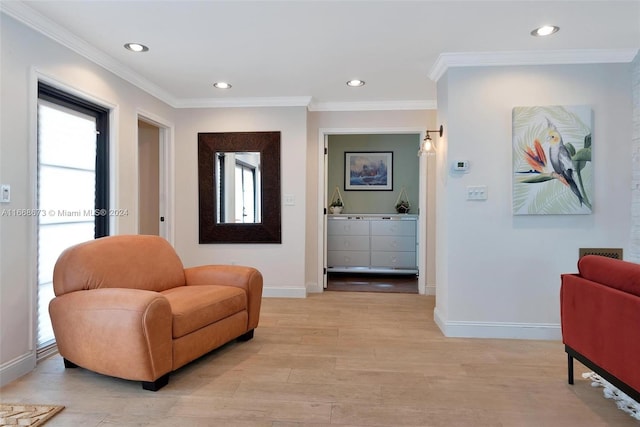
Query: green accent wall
405	171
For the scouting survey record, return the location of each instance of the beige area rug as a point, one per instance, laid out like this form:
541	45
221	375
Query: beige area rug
14	414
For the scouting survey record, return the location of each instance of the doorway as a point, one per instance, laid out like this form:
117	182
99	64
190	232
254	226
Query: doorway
155	182
72	187
148	178
327	182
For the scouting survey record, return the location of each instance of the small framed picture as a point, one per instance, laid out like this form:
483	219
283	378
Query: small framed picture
371	170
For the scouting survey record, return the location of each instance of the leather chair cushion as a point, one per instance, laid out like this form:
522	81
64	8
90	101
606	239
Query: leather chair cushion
125	261
195	307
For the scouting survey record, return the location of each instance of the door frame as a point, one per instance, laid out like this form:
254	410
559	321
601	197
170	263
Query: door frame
323	138
166	170
36	76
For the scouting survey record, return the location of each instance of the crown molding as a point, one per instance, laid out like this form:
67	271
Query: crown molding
38	22
542	57
33	19
290	101
373	106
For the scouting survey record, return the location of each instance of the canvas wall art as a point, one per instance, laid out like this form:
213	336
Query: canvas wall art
368	170
552	166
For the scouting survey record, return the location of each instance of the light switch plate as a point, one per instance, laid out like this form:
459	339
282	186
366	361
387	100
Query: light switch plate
477	192
5	193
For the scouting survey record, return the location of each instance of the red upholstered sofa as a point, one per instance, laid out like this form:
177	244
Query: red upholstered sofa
600	313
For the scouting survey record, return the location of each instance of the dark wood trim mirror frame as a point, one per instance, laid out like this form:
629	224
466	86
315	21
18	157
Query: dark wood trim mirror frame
269	230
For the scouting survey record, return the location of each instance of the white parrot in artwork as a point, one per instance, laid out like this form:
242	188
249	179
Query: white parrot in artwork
561	159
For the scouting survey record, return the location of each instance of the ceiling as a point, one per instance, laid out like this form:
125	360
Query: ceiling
302	52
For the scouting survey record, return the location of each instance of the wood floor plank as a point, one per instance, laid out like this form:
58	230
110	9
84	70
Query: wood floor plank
339	359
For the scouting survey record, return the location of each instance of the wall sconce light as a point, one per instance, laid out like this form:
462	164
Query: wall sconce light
428	147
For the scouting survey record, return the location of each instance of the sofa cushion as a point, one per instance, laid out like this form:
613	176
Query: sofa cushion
194	307
615	273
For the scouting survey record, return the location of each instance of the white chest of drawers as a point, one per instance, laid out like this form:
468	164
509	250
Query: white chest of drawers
372	243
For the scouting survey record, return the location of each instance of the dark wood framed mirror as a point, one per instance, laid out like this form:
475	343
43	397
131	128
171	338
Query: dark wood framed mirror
239	187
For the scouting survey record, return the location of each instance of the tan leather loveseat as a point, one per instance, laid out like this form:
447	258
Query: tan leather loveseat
126	307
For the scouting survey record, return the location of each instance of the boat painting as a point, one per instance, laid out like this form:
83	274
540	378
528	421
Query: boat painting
369	170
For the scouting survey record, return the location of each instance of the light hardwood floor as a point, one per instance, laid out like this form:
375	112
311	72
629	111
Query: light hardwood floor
339	359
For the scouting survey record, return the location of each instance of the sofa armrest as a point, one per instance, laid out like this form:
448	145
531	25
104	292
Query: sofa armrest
120	332
247	278
599	322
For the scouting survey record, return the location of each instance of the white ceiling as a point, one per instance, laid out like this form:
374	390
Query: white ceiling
299	51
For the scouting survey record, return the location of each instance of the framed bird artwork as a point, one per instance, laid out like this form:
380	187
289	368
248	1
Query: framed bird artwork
552	164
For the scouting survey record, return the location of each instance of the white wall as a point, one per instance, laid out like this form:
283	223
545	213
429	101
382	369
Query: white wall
500	274
634	252
25	55
282	265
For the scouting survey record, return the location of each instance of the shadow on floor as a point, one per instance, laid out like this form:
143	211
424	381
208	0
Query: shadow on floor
393	283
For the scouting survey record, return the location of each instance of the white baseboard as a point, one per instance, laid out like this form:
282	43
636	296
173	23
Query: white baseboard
314	288
14	369
283	292
430	290
470	329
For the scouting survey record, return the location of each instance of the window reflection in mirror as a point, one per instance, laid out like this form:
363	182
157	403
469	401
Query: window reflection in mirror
238	178
239	197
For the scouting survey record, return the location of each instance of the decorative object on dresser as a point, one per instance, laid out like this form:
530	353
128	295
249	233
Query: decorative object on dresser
402	203
336	205
372	243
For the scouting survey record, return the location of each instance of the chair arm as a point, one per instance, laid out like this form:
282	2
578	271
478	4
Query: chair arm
125	333
247	278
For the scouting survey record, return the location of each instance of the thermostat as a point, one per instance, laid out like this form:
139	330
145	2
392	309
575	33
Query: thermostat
461	165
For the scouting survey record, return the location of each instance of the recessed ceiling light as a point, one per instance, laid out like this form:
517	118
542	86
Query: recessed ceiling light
222	85
355	83
136	47
545	30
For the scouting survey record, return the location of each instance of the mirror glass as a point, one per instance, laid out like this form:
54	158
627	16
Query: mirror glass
238	183
239	187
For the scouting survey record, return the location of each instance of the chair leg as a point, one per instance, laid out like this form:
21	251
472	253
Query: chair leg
246	336
157	384
69	364
570	368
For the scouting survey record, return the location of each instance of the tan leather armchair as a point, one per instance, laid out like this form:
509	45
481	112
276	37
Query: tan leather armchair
126	307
